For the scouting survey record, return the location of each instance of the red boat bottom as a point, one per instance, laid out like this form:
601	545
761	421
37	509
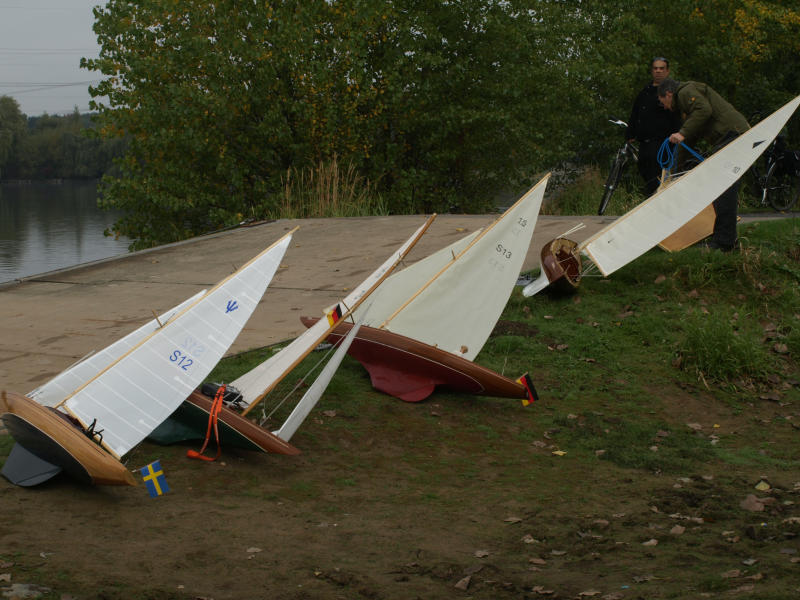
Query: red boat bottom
407	387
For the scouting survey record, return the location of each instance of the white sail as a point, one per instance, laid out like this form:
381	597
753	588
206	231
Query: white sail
394	292
458	307
69	380
259	381
314	393
668	210
133	395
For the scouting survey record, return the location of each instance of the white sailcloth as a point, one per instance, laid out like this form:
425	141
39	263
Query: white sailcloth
668	210
133	395
457	308
259	381
314	393
394	292
69	380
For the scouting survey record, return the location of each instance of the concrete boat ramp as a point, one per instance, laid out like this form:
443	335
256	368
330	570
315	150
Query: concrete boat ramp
50	321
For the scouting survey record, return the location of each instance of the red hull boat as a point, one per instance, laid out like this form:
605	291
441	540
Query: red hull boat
410	370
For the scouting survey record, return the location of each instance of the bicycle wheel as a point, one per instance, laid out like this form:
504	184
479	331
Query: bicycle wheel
752	189
611	182
783	188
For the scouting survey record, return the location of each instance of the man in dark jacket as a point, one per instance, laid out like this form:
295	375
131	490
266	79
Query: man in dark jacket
650	124
707	116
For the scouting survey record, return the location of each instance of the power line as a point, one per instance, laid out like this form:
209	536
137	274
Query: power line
47	87
45	51
45	83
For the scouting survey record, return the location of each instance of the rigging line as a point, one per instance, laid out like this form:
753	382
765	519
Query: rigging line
590	271
505	357
265	416
577	227
561	262
348	311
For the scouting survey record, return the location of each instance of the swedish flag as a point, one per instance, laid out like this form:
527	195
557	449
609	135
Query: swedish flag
154	479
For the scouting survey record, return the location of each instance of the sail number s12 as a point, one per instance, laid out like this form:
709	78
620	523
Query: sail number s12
181	360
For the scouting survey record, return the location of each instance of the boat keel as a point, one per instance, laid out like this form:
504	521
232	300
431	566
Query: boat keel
24	468
403	385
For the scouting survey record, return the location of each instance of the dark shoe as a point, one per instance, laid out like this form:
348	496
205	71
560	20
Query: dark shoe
714	245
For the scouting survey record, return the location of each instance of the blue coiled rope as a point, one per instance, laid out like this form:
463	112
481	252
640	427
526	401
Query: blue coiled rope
667	157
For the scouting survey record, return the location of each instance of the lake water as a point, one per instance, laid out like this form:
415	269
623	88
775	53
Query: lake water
49	226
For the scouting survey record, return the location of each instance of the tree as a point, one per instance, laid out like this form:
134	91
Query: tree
12	129
438	102
61	147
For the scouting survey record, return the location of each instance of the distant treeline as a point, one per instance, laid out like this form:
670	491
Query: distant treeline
52	147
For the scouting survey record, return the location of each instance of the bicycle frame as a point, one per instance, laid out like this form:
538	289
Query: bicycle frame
624	154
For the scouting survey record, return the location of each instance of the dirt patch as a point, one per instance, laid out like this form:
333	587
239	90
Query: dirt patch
504	327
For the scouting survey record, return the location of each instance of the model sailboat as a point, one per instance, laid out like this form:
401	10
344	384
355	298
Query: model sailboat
428	322
665	212
190	420
91	428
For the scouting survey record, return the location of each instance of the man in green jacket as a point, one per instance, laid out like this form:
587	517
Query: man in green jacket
707	116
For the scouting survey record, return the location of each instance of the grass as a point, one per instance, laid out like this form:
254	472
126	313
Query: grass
328	190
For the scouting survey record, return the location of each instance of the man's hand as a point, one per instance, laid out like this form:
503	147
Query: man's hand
676	138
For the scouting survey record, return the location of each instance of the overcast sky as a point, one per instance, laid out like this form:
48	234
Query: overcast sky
41	45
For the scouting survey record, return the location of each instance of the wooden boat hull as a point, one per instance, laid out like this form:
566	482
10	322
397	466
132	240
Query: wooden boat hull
53	438
190	422
698	228
561	262
410	370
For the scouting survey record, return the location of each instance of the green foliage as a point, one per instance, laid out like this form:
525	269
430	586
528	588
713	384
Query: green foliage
12	129
441	106
581	195
56	147
431	102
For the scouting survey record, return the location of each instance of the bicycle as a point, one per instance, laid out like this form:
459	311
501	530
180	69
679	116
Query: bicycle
777	177
625	154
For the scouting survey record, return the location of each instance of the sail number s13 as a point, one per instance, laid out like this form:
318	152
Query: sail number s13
503	251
